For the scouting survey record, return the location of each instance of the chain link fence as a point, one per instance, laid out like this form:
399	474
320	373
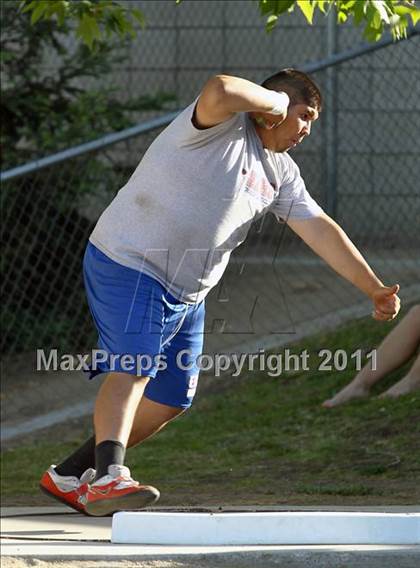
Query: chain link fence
361	163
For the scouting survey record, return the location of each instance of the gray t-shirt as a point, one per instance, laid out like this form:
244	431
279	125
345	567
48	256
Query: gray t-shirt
192	200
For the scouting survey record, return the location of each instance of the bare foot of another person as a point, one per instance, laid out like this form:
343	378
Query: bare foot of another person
406	385
351	391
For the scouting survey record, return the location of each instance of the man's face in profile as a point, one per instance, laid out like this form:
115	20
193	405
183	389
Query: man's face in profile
282	136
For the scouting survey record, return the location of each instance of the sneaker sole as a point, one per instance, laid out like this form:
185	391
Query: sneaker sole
61	500
130	502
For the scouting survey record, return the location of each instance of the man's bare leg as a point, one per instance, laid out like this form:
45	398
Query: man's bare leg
116	406
150	418
397	348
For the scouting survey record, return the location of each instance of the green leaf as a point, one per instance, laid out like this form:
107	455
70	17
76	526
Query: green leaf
373	34
88	30
139	16
102	5
415	16
399	29
341	17
87	4
285	6
406	11
376	21
307	8
121	21
39	10
26	6
267	7
402	10
381	10
359	12
275	7
51	10
61	12
129	29
271	23
321	5
372	17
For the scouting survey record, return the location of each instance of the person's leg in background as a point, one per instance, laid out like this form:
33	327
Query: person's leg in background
395	350
409	383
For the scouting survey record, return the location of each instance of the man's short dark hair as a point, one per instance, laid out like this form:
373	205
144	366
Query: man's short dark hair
298	85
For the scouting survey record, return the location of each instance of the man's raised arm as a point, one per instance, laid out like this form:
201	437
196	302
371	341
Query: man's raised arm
331	243
223	96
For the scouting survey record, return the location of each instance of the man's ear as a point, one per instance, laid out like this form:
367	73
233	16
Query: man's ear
258	120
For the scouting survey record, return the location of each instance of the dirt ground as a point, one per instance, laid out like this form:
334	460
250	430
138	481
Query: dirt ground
319	557
37	563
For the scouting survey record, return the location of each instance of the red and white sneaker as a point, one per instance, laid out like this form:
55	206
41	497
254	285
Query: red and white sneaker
67	489
117	491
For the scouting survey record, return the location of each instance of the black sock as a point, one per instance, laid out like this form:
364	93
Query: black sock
107	453
79	461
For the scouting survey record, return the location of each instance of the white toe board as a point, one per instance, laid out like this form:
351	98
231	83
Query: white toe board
265	528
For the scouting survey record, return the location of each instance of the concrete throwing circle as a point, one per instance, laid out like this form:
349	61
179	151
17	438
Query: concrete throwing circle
268	528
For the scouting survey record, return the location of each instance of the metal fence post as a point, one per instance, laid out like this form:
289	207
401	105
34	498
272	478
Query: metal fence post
331	139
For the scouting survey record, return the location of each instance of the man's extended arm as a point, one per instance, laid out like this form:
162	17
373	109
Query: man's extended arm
331	243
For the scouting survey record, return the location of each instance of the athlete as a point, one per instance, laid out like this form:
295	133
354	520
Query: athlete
165	241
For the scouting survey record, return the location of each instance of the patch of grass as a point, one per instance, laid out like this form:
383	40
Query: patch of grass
268	440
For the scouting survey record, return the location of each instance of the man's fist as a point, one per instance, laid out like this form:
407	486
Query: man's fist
386	303
278	112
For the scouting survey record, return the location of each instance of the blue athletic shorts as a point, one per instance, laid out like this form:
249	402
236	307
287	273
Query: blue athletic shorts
143	330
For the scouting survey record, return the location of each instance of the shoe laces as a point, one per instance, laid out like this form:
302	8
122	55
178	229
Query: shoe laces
65	483
123	473
116	470
88	476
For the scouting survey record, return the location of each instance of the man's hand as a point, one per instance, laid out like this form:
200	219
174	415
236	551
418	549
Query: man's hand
386	302
278	113
332	244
